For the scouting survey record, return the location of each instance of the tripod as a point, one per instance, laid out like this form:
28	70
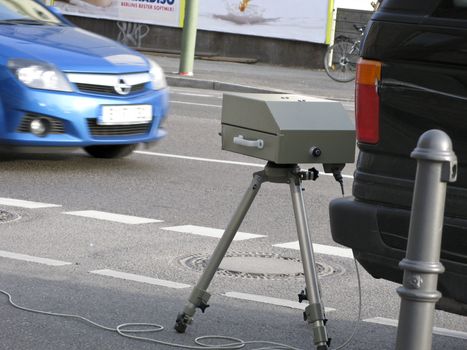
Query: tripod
275	173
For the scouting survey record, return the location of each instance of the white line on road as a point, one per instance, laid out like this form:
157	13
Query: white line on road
269	300
25	204
101	215
257	165
436	330
209	232
348	106
196	104
34	259
188	90
320	249
139	278
199	159
196	95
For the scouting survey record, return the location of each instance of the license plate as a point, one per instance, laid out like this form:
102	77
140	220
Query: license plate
124	115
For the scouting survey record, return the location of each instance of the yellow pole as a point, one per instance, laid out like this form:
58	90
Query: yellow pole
182	13
330	21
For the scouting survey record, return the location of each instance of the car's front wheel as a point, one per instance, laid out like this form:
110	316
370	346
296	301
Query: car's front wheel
110	151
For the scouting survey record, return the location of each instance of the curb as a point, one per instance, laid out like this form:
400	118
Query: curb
217	85
190	82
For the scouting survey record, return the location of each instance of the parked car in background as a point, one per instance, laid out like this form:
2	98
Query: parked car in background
61	86
412	77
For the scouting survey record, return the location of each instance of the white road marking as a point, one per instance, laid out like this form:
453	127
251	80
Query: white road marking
25	204
139	278
199	159
320	249
34	259
101	215
269	300
210	160
348	106
436	330
196	95
188	91
209	232
196	104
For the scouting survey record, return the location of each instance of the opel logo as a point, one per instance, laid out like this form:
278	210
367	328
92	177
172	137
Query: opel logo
122	88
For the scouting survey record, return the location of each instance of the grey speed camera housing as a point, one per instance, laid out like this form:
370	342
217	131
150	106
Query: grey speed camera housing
287	129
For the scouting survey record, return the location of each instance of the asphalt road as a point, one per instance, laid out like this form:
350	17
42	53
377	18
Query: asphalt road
155	218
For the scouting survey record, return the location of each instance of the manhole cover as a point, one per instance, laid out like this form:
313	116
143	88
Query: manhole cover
255	265
6	216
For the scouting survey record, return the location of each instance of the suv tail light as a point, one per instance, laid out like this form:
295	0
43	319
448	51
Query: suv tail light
367	101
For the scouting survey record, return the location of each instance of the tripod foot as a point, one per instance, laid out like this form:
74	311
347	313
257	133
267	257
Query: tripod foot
182	322
198	300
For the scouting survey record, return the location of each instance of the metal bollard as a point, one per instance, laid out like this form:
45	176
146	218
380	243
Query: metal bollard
436	166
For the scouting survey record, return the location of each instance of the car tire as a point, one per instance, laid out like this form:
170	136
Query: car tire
110	151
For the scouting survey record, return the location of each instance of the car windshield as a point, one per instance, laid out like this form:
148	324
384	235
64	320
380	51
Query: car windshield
26	12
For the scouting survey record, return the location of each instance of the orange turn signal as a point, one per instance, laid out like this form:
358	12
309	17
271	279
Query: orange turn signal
367	101
368	72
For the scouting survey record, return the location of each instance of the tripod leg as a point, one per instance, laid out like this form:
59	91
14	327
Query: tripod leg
315	310
199	296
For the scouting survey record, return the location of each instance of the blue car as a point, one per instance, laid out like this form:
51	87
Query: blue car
61	86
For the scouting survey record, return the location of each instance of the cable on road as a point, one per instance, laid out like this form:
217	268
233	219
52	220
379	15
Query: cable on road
129	330
359	316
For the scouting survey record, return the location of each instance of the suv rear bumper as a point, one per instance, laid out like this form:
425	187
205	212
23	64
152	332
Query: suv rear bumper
357	225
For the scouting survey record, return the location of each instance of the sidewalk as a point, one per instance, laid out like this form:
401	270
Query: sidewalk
254	77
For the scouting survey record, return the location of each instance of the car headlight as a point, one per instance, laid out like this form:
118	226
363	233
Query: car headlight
157	76
39	75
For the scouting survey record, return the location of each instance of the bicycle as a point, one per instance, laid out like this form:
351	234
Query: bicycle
340	59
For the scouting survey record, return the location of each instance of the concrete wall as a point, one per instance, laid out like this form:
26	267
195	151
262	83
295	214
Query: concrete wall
243	48
346	18
166	39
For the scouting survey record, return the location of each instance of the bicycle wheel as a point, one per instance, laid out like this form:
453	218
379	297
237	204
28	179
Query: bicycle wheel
340	61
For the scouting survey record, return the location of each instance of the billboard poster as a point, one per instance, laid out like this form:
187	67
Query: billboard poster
160	12
302	20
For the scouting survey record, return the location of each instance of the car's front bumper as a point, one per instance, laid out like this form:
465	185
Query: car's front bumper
75	115
378	235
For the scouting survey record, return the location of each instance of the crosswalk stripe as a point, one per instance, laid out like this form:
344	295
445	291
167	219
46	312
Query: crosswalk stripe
25	204
34	259
101	215
209	232
320	249
436	330
270	300
139	278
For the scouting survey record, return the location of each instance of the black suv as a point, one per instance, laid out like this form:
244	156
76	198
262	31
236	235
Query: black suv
412	77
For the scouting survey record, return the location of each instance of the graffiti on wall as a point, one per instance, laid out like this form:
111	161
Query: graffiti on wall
132	34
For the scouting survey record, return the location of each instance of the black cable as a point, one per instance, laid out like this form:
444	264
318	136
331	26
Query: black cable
338	177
